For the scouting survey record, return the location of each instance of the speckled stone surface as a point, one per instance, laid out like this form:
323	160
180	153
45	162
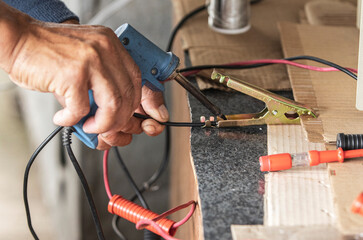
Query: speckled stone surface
231	186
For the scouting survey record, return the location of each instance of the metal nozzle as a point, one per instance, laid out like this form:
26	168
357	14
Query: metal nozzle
199	95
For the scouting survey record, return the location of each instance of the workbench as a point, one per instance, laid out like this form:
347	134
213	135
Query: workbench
226	170
219	168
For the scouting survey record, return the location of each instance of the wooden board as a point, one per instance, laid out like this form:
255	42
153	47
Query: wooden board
183	182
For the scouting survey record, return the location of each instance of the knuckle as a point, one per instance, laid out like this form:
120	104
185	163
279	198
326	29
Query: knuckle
114	103
118	139
127	140
134	128
102	145
78	76
129	93
90	52
136	73
80	112
107	31
105	42
129	90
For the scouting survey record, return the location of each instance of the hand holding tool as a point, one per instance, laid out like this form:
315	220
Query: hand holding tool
155	65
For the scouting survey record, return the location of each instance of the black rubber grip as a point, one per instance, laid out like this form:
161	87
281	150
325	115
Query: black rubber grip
349	141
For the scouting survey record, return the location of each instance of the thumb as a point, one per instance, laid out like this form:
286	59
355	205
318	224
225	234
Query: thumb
75	106
153	104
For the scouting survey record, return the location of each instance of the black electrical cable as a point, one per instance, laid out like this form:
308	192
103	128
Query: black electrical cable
181	23
186	18
316	59
172	124
130	179
119	234
67	135
147	234
326	62
255	1
162	166
26	178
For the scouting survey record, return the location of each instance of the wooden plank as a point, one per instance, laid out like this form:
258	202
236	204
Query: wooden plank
183	182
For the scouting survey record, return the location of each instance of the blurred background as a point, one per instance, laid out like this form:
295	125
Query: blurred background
58	207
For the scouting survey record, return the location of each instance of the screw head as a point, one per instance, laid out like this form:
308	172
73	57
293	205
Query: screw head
154	71
125	41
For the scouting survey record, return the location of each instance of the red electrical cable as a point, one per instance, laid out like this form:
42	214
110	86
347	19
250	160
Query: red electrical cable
105	174
141	216
287	62
278	61
140	224
145	222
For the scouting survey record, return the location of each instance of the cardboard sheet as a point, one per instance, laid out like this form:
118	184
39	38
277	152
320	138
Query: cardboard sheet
347	183
298	202
333	95
329	13
262	41
299	196
258	232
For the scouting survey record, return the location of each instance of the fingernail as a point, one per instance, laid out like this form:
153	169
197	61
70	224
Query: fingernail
150	129
57	119
164	114
105	135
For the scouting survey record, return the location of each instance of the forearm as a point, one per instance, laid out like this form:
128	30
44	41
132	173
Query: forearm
13	25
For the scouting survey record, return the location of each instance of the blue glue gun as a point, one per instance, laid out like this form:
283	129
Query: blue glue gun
155	65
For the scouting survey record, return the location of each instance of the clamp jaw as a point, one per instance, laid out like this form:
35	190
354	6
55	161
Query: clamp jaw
278	110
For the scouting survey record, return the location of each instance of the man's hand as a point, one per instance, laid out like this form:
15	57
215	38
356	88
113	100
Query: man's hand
68	60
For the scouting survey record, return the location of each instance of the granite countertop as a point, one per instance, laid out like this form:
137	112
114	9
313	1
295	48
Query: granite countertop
231	185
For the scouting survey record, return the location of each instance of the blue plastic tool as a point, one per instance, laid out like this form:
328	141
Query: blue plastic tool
155	65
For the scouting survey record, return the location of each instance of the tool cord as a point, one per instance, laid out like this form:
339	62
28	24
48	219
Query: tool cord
67	140
147	234
130	179
181	23
26	178
144	220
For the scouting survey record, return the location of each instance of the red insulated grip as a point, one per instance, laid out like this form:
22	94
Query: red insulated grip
357	206
134	213
275	162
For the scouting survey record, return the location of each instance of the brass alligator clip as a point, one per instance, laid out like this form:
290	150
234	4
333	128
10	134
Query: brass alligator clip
278	110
